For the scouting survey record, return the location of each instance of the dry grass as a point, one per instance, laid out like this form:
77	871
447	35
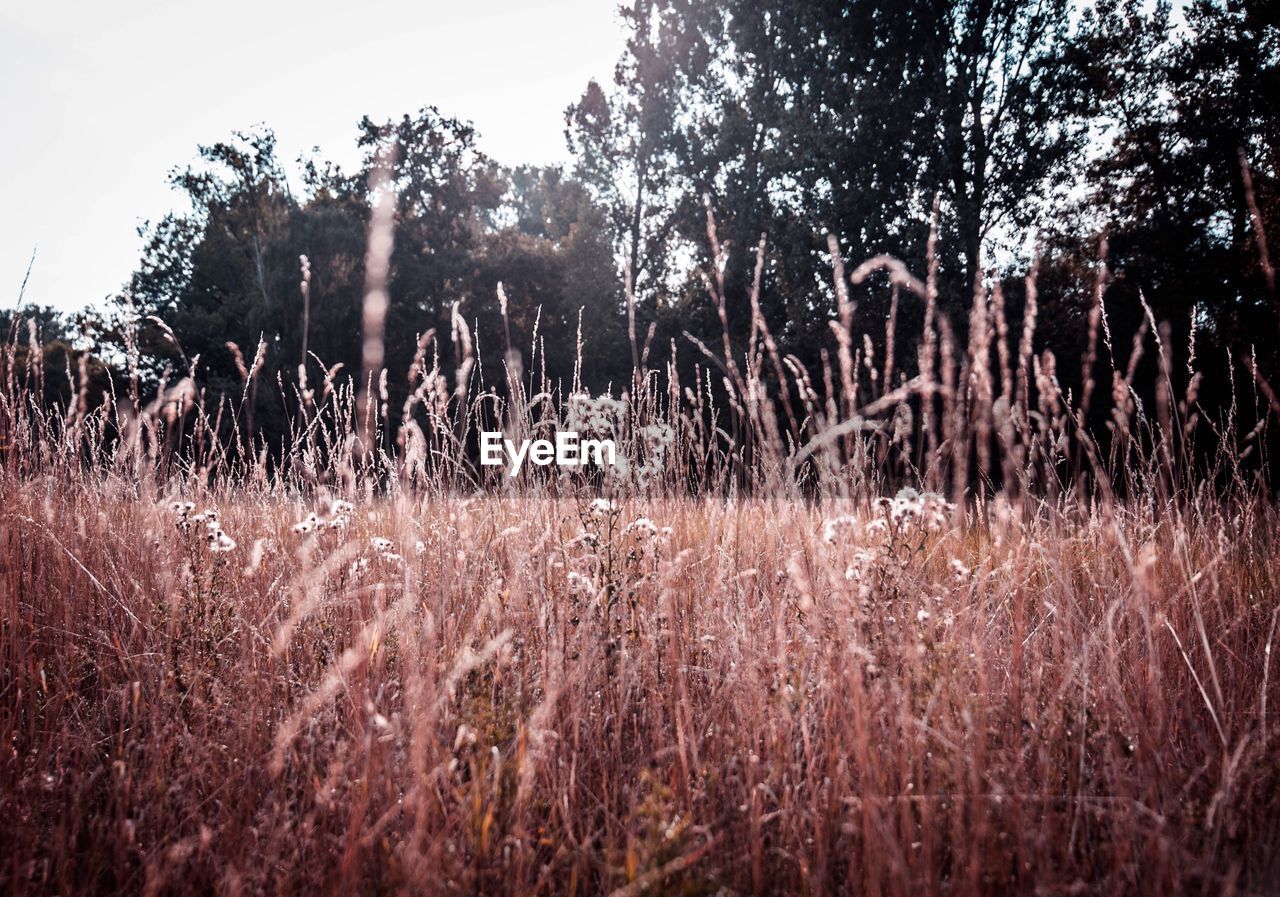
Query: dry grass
538	690
509	707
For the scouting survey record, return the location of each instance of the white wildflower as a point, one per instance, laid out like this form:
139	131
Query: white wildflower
906	507
181	514
307	524
220	541
602	507
643	527
596	415
833	529
861	565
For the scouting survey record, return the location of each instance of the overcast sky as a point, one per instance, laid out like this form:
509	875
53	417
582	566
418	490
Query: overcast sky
99	99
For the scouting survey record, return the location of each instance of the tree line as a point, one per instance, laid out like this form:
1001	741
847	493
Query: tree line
1115	144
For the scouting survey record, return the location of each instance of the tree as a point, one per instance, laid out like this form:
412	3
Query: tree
557	265
222	279
446	194
624	144
1011	117
219	293
849	117
1182	108
68	364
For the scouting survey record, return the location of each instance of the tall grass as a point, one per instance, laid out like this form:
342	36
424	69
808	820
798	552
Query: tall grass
839	631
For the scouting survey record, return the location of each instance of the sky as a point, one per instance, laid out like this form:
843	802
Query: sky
100	100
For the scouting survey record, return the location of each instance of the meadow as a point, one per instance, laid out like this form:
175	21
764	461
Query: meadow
888	636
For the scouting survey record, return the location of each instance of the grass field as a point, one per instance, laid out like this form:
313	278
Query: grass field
342	675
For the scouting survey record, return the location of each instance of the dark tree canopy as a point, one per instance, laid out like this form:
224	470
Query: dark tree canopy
225	278
1055	123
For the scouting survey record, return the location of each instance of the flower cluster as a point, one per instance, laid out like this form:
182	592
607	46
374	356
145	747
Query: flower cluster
839	528
860	566
340	514
648	541
309	523
385	549
601	508
642	528
654	444
338	517
215	537
881	552
911	511
182	513
595	415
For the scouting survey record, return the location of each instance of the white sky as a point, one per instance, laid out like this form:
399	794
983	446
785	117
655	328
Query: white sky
100	99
